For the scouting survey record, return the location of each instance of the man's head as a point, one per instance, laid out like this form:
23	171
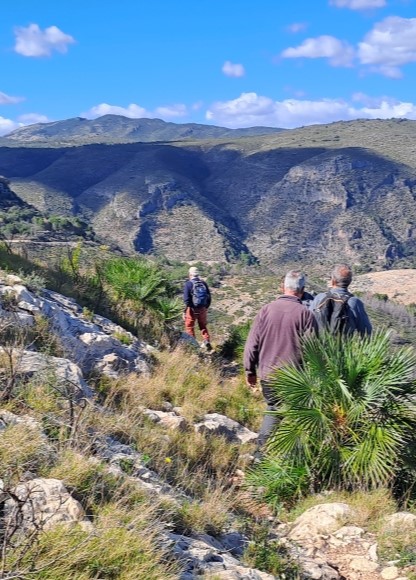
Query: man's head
294	283
193	272
341	276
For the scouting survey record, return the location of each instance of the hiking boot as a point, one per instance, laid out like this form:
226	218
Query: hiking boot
207	345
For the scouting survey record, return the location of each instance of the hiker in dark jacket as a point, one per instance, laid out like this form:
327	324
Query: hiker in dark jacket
340	280
197	300
275	340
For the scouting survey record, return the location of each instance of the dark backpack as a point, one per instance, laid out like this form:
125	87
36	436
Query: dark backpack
199	294
334	315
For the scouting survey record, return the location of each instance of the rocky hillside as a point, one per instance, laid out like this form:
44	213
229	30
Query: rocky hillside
344	191
104	474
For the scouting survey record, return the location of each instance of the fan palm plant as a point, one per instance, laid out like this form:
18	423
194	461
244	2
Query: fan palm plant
348	415
140	291
137	280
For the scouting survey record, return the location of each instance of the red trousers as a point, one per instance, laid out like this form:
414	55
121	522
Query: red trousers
199	315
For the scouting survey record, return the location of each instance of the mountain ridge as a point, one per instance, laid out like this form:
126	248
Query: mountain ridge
116	128
344	191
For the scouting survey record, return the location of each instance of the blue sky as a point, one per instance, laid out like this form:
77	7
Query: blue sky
234	63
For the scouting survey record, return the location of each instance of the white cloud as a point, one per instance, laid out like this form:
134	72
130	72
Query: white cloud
137	112
171	111
133	111
338	52
31	118
32	41
233	70
296	27
389	45
7	125
8	100
250	109
358	4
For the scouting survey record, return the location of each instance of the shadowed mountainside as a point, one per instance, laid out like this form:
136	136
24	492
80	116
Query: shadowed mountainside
316	194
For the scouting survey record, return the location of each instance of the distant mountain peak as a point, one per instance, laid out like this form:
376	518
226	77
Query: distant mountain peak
112	128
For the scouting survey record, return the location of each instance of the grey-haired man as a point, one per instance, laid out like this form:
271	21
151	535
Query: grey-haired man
341	278
275	340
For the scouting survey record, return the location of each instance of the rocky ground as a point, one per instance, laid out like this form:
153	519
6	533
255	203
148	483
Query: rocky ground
328	541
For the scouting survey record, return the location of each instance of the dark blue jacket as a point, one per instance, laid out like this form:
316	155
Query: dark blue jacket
187	293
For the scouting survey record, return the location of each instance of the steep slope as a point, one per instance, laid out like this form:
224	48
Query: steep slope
8	198
344	191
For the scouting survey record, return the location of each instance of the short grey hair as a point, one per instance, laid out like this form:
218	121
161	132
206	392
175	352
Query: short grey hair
342	275
295	281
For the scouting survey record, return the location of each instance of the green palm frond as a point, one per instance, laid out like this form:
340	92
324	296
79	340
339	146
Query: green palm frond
349	413
136	280
169	309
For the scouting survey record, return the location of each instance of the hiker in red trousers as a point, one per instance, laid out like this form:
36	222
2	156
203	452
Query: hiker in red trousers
197	299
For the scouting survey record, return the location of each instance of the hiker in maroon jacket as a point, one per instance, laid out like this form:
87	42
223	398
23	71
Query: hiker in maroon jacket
274	341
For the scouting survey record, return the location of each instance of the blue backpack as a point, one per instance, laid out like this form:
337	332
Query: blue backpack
199	294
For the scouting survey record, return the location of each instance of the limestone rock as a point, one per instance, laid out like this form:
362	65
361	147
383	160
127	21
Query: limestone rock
205	556
320	519
168	419
66	373
42	503
400	521
390	573
93	344
220	425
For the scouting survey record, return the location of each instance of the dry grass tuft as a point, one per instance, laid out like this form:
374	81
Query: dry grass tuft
369	506
208	515
184	380
125	544
22	448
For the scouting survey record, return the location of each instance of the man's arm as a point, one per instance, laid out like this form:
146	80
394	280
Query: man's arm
363	322
251	352
187	294
208	295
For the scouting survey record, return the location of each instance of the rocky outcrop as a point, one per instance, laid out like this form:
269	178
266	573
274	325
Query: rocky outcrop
40	504
205	556
65	374
328	545
93	343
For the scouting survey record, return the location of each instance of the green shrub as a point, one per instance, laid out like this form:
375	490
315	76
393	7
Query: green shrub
233	346
347	416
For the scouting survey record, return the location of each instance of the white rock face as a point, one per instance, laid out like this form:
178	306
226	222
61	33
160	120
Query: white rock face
42	503
66	373
93	344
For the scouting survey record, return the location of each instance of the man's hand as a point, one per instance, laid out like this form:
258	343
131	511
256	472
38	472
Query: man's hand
251	381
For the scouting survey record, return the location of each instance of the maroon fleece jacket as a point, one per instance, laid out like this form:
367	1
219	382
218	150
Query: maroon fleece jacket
274	338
